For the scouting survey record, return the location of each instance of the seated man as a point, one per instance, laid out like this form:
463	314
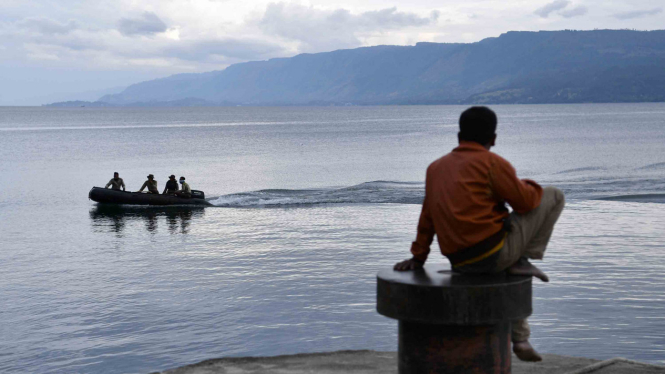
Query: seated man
171	186
116	182
185	191
151	183
465	195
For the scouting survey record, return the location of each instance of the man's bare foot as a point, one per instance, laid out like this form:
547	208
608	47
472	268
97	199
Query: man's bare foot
524	267
525	352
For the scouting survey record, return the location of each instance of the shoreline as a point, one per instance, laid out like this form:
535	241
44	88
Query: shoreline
374	362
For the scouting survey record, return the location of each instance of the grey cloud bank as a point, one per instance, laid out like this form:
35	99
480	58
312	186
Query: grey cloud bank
546	10
147	24
47	26
574	12
561	7
638	14
319	30
240	49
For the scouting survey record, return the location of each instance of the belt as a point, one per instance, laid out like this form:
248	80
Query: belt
479	251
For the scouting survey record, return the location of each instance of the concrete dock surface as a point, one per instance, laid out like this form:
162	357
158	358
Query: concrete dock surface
372	362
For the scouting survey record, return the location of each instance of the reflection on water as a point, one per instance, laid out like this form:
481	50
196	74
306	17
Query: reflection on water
115	218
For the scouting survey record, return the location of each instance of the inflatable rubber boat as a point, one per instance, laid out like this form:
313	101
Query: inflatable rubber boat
108	196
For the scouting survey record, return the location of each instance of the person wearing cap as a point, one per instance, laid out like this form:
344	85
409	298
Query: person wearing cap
151	183
116	183
466	192
185	190
171	186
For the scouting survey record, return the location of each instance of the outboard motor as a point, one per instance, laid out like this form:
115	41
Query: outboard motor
196	194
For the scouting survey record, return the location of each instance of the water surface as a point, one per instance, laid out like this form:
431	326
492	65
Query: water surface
312	202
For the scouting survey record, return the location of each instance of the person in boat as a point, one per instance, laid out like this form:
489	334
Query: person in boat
116	183
185	190
171	186
465	196
151	183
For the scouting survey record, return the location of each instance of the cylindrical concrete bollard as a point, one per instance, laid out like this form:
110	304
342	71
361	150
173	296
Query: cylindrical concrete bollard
453	323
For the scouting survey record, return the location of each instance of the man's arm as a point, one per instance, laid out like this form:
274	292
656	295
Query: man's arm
420	248
109	183
122	184
522	195
145	184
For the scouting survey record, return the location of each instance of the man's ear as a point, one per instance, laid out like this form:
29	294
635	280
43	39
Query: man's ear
459	137
493	141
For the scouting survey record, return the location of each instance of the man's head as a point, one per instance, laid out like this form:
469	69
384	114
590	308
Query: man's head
478	124
172	177
116	175
182	180
150	176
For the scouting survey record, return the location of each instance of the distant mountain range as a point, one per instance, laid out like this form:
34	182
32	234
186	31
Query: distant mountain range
516	67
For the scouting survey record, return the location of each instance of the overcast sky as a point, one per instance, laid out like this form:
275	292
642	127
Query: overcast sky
61	49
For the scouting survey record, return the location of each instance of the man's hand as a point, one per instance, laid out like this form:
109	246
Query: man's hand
409	264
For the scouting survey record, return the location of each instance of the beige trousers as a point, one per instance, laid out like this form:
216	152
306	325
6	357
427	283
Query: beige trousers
528	238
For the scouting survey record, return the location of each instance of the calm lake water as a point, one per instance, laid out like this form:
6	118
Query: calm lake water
311	203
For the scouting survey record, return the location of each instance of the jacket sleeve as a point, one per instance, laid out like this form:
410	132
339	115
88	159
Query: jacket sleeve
145	184
122	183
420	248
523	195
108	184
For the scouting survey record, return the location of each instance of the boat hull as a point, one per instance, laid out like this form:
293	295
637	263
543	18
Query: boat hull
108	196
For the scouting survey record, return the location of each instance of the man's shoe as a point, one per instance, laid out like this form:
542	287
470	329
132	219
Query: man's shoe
525	352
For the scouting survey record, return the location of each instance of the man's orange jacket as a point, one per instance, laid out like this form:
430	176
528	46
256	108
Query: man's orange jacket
465	195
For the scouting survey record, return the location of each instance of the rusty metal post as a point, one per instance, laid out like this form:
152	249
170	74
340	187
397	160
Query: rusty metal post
452	323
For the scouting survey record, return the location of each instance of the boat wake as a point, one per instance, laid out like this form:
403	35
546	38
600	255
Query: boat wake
377	192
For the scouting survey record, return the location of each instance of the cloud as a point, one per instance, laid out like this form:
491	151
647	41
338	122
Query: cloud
574	12
638	13
147	24
390	18
323	29
555	5
559	6
47	26
229	48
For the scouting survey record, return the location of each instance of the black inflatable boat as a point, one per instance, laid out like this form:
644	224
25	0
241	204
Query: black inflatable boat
108	196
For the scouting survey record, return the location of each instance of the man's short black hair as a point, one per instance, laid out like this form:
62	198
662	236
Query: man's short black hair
477	124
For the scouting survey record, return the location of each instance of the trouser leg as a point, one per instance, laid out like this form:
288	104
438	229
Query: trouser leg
531	232
535	248
520	330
